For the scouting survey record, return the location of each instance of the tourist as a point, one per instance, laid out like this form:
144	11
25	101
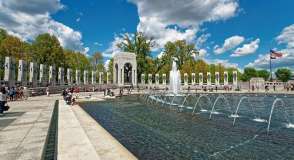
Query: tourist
3	100
47	91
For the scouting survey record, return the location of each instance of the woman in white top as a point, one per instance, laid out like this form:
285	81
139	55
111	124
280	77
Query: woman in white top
3	100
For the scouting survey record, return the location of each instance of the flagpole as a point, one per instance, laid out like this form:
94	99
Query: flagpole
271	78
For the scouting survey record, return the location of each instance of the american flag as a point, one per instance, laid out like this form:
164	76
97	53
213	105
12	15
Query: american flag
275	54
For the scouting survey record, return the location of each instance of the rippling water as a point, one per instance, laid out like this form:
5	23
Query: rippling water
154	132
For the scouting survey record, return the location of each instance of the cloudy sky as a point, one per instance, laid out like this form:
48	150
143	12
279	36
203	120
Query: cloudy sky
234	32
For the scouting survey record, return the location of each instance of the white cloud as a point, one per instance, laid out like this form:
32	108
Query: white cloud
27	19
202	53
286	37
247	49
172	20
229	44
202	39
113	49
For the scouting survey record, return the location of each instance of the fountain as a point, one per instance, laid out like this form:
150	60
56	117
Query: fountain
174	79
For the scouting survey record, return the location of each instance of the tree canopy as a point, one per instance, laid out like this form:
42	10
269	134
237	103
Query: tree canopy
283	74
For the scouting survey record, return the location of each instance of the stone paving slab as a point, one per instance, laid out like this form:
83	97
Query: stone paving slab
24	128
73	143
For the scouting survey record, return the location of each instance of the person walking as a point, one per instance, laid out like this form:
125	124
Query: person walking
3	100
47	91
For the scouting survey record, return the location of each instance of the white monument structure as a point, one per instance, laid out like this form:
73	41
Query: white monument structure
9	73
43	74
108	77
235	79
22	72
68	76
142	79
208	78
52	75
33	74
186	79
100	77
193	78
164	79
78	77
61	76
93	77
200	79
157	79
125	69
226	78
86	77
149	79
217	78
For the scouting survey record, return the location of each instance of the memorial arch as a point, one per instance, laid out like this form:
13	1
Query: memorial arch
125	69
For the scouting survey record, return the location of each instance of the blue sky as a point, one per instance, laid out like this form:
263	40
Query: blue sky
234	32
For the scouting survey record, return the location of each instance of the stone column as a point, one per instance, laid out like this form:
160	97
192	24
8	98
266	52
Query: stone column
107	77
22	72
100	77
235	79
85	77
33	74
157	79
133	77
193	79
217	78
61	76
52	75
68	76
226	76
150	79
201	79
42	76
9	73
123	76
93	77
164	79
143	79
186	79
208	78
78	77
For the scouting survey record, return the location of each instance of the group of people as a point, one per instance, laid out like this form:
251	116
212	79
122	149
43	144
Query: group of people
11	94
68	95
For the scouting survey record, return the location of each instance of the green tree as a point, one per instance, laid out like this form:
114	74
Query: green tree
141	46
283	74
13	47
249	73
3	35
263	74
182	51
47	50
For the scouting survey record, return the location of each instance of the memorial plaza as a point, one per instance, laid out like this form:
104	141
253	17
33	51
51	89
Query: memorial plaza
148	80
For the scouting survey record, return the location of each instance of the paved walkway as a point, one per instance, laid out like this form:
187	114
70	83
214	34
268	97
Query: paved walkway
23	130
81	138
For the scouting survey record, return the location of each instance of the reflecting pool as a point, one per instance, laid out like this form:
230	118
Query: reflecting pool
156	128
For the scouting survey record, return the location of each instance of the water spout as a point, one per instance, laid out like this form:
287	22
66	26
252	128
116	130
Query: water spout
174	79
